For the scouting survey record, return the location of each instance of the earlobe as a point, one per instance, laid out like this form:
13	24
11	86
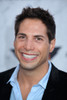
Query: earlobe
52	45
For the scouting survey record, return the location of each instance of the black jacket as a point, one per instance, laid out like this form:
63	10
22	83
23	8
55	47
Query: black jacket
56	88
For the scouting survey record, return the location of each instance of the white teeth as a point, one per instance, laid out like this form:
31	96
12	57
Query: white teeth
29	56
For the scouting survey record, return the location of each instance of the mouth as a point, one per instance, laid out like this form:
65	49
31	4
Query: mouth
29	57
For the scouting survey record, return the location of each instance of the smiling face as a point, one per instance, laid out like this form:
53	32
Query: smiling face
32	45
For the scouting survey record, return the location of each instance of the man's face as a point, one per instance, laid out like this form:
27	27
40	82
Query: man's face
32	45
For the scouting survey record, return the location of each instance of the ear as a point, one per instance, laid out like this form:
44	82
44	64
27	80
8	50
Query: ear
14	43
52	45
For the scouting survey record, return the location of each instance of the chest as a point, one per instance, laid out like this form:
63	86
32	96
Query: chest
34	93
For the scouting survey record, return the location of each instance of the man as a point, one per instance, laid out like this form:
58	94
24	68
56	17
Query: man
35	78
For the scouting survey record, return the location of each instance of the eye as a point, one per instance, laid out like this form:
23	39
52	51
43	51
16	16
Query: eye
39	38
21	37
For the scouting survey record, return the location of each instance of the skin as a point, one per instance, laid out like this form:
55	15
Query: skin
32	49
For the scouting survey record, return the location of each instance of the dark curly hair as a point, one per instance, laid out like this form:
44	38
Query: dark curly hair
38	13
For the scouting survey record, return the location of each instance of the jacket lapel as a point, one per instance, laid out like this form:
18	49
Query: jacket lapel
50	91
6	91
5	88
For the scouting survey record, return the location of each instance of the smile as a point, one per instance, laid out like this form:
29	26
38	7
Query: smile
29	57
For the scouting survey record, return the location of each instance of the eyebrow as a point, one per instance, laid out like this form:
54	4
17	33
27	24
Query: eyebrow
39	36
21	34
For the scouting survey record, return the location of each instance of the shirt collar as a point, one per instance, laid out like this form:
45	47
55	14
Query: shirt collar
43	82
13	78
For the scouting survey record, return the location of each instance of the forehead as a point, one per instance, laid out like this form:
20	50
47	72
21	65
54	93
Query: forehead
29	25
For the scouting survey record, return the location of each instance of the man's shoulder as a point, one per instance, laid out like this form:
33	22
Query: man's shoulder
59	76
62	77
5	75
60	72
7	71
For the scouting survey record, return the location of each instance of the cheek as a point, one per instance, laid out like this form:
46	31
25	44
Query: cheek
18	45
44	49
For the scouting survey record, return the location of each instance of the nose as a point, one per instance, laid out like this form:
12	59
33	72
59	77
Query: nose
29	45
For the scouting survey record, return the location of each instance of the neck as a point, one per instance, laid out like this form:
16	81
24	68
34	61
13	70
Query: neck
32	77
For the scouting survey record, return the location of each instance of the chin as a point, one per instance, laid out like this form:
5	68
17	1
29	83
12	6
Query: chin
28	67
